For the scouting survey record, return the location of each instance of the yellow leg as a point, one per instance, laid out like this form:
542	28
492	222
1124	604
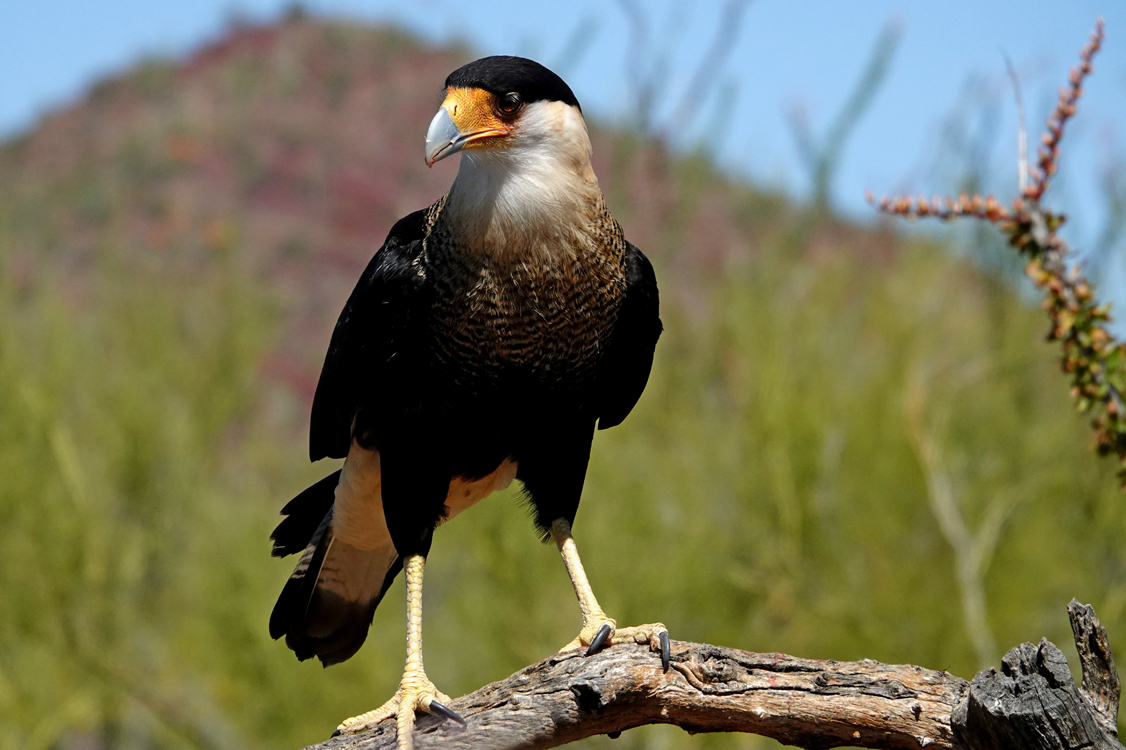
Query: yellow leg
416	691
599	630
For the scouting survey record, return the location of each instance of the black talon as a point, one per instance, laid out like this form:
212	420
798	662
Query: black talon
335	733
599	639
444	711
665	650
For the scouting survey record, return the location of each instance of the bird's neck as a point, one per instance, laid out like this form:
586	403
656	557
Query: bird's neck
522	203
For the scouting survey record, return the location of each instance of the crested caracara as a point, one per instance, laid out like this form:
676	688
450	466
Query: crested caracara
485	342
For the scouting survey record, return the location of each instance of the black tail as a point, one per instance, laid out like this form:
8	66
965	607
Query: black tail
303	516
326	606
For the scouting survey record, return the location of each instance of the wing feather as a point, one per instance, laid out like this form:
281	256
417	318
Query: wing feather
374	326
624	369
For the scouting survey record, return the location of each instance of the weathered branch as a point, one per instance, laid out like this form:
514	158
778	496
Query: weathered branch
1032	702
707	689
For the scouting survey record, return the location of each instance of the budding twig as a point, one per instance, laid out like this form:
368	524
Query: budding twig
1065	109
1094	360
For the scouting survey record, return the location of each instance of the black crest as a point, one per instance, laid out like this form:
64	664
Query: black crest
504	74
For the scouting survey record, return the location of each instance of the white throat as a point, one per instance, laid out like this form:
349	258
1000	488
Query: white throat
535	193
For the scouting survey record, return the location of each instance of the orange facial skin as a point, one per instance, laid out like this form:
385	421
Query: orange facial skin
475	113
471	118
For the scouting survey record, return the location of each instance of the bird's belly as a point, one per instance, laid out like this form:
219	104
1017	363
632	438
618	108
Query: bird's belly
465	493
358	518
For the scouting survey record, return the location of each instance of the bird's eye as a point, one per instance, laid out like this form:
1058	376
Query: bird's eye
509	103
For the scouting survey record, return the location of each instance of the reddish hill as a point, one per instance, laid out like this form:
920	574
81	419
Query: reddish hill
295	147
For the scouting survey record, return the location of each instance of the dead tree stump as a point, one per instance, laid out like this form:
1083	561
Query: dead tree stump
1033	702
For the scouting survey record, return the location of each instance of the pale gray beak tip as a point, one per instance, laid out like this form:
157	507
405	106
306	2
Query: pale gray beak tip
442	138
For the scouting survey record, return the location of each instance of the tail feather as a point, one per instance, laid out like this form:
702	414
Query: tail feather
327	605
303	515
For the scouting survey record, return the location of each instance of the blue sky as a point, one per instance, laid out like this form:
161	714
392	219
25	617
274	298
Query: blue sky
948	74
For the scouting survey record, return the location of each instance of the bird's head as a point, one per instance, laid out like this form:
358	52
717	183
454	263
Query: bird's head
499	104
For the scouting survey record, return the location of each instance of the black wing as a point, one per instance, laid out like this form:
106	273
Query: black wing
624	369
374	326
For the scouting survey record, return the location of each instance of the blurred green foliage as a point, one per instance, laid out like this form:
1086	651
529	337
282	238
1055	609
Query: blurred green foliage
765	495
771	491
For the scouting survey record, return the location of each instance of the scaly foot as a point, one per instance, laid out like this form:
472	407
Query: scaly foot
600	631
416	693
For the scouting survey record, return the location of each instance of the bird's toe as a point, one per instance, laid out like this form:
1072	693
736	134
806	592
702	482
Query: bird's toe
414	694
655	635
599	634
443	711
600	638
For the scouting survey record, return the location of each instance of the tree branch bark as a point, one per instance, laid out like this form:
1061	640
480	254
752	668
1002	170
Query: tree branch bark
1031	702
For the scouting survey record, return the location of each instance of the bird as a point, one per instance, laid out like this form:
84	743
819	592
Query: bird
486	341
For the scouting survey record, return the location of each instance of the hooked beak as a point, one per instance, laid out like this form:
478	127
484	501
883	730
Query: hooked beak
443	138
